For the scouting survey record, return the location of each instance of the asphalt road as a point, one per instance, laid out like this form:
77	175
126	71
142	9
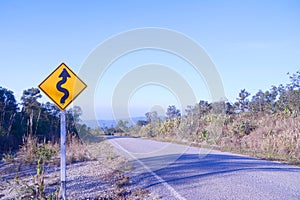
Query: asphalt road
174	171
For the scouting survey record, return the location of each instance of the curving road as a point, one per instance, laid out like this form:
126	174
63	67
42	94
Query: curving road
173	171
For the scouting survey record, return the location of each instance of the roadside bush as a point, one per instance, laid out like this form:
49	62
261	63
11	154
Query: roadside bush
31	151
245	127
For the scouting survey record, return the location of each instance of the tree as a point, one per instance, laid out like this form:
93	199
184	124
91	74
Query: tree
49	124
283	100
270	99
229	108
294	81
151	116
243	102
122	126
200	109
204	107
141	123
77	112
35	118
257	103
8	109
73	119
173	112
31	107
218	107
190	110
293	92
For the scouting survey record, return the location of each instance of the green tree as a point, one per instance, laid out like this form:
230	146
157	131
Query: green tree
122	126
283	100
204	107
293	92
270	98
151	116
8	109
257	103
199	110
218	107
73	119
229	108
173	112
243	103
49	124
31	107
141	123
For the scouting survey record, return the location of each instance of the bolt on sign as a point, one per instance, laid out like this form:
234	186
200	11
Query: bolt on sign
62	86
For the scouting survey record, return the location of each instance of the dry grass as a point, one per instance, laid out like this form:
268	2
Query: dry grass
277	136
32	150
269	136
274	137
28	165
28	178
77	151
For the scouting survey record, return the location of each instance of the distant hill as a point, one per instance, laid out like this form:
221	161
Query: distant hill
111	122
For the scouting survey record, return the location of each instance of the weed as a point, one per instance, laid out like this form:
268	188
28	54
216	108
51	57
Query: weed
32	150
203	135
8	157
120	192
34	190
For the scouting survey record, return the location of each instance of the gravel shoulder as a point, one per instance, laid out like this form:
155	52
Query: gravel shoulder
100	178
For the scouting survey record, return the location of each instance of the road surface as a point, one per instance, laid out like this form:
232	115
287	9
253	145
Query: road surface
173	171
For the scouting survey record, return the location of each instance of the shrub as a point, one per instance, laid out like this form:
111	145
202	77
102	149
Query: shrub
31	151
245	127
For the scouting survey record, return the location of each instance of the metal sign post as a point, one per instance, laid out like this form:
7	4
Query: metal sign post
63	153
62	86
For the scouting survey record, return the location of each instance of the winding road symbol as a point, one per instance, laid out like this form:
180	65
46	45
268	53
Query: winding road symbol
62	86
64	75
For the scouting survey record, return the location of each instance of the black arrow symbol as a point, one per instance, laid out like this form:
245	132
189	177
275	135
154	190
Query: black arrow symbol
64	75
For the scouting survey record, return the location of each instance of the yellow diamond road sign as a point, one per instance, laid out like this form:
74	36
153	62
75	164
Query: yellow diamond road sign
62	86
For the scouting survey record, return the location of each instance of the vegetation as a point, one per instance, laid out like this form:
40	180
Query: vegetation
31	118
44	184
266	124
29	142
36	188
29	137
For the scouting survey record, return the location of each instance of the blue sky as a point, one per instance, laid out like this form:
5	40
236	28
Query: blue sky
252	43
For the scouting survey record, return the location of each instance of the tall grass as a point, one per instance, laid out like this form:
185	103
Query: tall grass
271	136
33	149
